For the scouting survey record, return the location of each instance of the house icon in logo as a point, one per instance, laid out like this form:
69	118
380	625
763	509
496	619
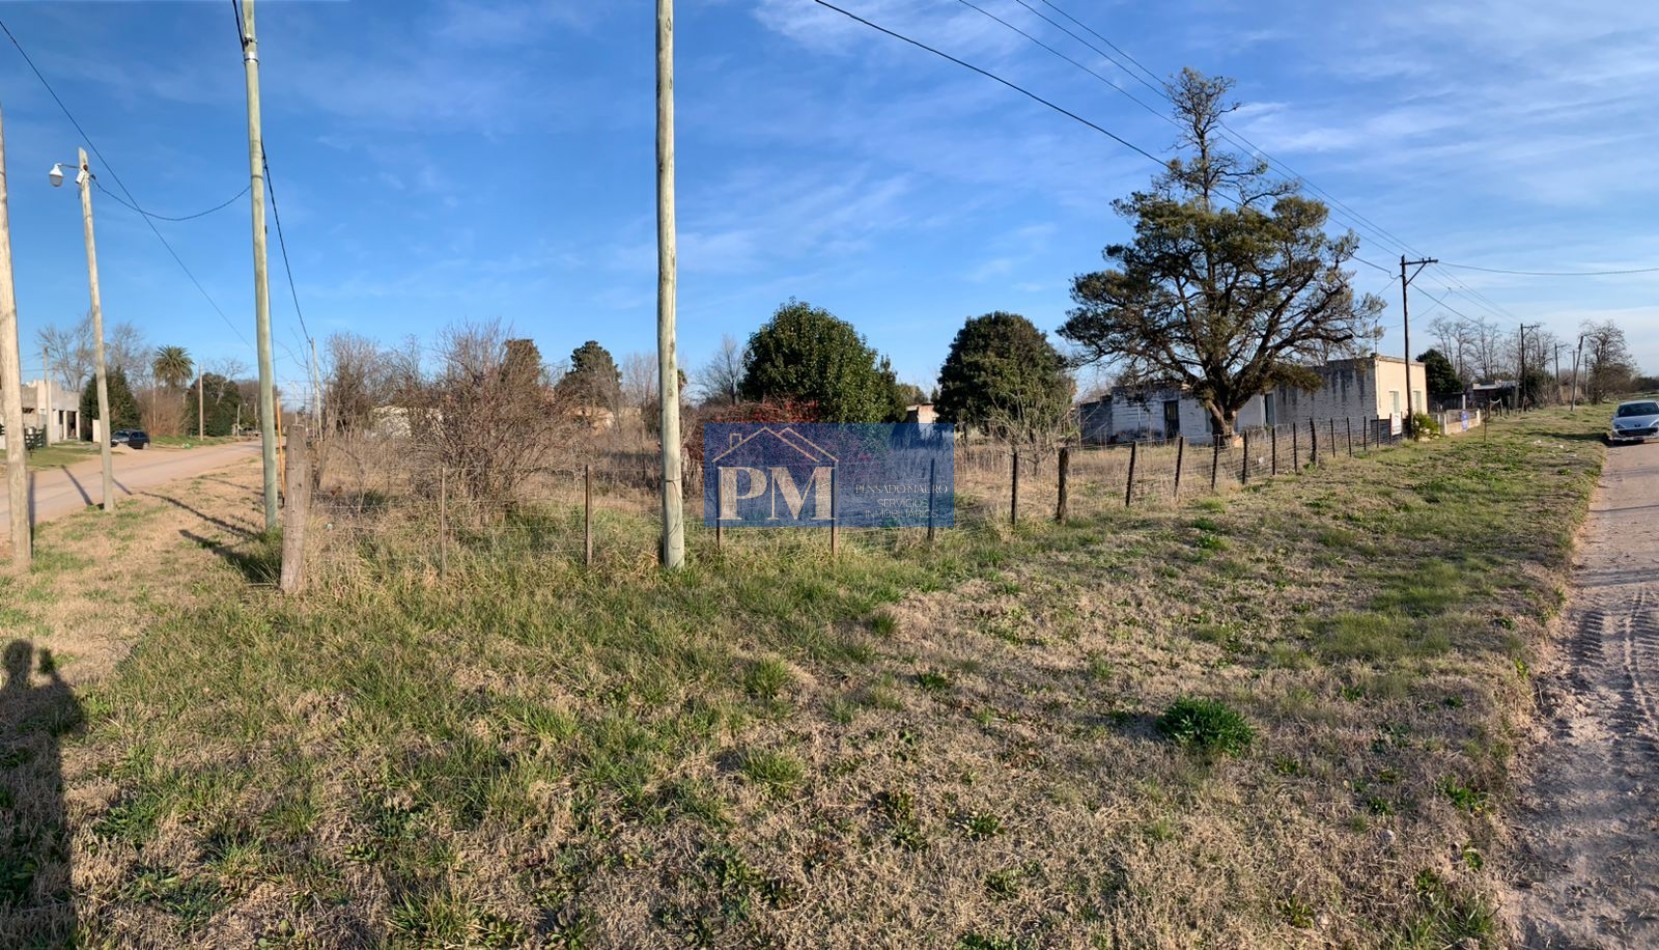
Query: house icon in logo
769	465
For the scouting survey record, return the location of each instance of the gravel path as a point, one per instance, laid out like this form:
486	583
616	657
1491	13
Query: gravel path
56	492
1589	818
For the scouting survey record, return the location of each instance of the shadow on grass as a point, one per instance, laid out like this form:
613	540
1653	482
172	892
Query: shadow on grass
258	557
35	877
236	529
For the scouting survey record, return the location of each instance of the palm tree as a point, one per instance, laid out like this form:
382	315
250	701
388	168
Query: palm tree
172	366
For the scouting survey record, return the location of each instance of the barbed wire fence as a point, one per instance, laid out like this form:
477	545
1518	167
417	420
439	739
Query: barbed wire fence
378	505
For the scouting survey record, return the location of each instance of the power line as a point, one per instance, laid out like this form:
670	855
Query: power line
161	217
1115	87
990	75
1547	273
106	166
282	242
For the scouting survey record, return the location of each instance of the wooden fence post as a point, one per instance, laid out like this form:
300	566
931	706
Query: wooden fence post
932	487
443	520
1215	459
1273	436
1014	490
1061	506
296	513
1313	442
835	516
1129	483
1330	444
1180	456
587	515
1244	469
1350	424
1295	448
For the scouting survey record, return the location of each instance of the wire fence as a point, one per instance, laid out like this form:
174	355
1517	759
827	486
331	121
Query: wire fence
379	505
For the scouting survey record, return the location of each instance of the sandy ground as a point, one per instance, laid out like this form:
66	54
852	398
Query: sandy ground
1589	820
54	493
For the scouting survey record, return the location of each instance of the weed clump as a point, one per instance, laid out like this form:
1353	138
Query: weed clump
1206	725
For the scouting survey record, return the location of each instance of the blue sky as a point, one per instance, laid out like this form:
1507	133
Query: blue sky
437	161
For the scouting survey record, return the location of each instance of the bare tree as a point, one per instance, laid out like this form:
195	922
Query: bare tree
1609	368
487	416
69	350
357	381
719	378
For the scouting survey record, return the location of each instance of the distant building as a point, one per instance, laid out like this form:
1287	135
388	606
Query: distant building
1368	390
63	421
921	412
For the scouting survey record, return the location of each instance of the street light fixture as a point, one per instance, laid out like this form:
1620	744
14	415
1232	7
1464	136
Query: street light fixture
83	178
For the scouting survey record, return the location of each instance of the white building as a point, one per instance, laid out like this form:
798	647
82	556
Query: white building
1365	390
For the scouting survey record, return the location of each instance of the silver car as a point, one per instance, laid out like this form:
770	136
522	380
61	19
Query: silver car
1635	421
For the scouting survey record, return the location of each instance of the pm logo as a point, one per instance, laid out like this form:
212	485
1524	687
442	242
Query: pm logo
774	474
813	475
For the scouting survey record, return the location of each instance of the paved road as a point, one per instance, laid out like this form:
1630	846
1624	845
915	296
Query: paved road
1590	822
56	492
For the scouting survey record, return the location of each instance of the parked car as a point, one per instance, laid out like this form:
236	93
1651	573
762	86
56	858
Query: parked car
1635	421
131	438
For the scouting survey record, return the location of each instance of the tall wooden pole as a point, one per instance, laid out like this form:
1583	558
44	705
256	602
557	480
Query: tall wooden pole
201	403
261	282
83	177
668	373
45	359
11	377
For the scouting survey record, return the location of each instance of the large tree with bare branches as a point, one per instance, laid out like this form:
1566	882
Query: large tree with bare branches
1230	285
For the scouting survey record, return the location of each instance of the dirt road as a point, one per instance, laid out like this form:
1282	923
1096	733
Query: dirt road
1589	823
54	493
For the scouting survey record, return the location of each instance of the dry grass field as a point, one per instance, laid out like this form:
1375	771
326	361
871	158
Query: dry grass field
967	745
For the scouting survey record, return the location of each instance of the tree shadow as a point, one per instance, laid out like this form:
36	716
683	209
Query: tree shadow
261	564
37	906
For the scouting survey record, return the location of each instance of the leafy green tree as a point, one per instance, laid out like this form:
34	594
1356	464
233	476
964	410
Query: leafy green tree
807	354
123	408
593	379
1002	371
172	366
1442	375
222	401
1230	285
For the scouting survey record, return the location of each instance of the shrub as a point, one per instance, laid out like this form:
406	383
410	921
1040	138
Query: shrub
1207	725
1426	426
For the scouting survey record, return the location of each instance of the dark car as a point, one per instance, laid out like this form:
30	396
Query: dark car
131	438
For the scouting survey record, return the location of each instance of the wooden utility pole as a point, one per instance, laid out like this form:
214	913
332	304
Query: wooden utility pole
11	378
1405	321
1577	355
261	282
316	391
1521	383
45	364
83	177
201	403
668	373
